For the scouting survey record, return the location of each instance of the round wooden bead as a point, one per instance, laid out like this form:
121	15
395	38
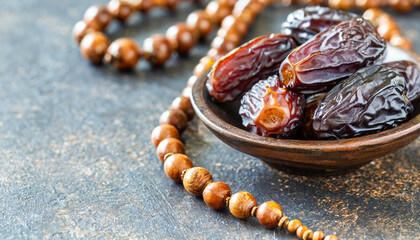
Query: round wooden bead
93	46
241	204
401	5
318	235
399	41
97	15
365	4
372	14
388	29
80	30
175	164
228	3
184	104
300	231
169	145
222	43
341	4
216	53
215	195
231	22
200	21
162	132
205	64
181	37
230	35
187	92
191	81
119	9
123	53
269	214
157	49
330	237
143	6
195	180
175	117
294	225
217	12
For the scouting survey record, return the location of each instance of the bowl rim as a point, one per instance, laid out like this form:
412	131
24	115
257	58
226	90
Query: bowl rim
217	124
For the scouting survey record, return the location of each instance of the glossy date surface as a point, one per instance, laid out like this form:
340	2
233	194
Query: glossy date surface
312	104
369	101
331	56
269	109
411	74
305	23
241	68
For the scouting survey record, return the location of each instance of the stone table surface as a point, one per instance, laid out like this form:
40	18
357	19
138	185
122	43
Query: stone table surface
76	159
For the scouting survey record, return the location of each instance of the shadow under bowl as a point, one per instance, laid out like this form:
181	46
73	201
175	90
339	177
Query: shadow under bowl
307	157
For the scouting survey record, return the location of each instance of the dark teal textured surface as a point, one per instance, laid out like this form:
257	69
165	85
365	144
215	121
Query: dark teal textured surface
76	159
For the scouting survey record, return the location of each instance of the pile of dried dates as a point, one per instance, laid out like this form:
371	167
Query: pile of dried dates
324	77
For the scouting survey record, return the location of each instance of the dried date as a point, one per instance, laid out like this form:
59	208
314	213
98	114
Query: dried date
269	109
331	56
305	23
240	69
369	101
411	74
312	104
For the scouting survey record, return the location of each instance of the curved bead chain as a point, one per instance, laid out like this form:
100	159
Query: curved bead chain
124	53
198	181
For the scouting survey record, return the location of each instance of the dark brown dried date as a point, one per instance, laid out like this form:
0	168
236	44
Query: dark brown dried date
270	109
331	56
411	74
312	104
305	23
369	101
240	69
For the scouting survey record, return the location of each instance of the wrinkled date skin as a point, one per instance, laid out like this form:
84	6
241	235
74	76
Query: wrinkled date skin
369	101
331	56
269	109
240	69
411	74
312	104
305	23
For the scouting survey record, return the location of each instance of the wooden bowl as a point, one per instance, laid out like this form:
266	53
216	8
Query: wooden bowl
308	157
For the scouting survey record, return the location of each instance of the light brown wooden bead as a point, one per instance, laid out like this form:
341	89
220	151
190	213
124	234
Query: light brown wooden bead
169	145
119	9
229	3
157	49
183	104
230	23
399	41
283	222
181	37
318	235
365	4
175	164
341	4
388	29
215	195
80	30
241	204
401	5
205	64
217	12
123	53
143	6
223	43
162	132
216	53
307	235
93	46
300	231
195	180
373	14
175	117
191	81
200	21
330	237
97	15
269	214
294	225
230	35
187	92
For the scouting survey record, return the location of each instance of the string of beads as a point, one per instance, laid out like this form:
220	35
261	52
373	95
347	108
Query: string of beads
234	18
